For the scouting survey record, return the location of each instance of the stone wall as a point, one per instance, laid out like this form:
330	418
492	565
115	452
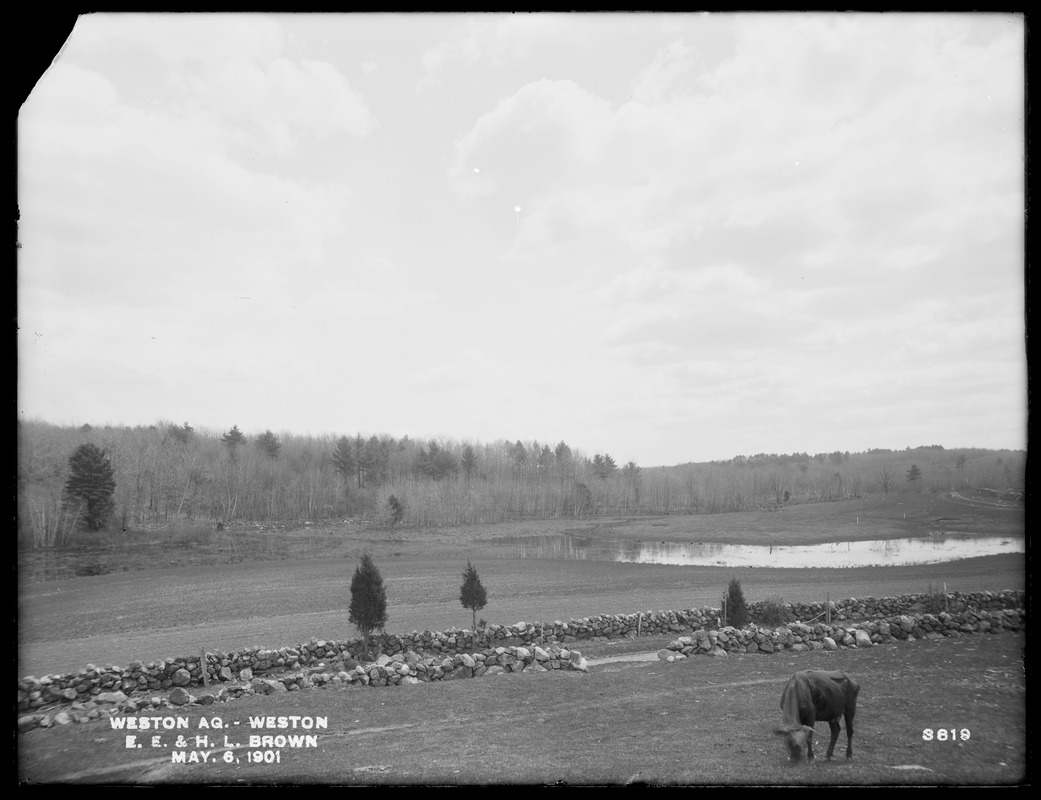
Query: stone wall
876	607
428	655
91	692
800	637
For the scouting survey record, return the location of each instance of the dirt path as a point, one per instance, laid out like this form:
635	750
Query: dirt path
638	657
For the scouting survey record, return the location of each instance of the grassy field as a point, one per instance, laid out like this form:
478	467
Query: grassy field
174	610
702	721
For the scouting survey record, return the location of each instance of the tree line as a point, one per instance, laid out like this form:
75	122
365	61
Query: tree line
167	473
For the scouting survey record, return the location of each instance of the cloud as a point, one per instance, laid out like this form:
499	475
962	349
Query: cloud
730	226
665	76
232	70
780	152
540	139
801	225
493	38
117	180
192	41
269	107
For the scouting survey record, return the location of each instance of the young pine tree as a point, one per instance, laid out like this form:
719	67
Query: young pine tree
268	442
233	438
91	482
368	609
472	594
736	609
396	509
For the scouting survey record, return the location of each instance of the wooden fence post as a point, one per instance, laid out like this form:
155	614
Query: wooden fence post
205	667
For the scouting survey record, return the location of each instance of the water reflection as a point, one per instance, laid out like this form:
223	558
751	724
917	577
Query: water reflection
878	552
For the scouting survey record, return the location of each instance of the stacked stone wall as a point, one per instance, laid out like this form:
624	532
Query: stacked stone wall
428	655
801	637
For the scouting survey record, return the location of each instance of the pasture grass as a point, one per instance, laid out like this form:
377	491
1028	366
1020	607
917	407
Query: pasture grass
121	617
173	609
703	721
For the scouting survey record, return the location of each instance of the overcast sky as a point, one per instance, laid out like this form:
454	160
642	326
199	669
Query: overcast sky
669	238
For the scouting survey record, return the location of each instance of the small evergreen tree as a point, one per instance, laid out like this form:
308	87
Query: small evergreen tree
472	594
734	602
92	482
182	435
368	609
268	442
233	439
396	508
914	475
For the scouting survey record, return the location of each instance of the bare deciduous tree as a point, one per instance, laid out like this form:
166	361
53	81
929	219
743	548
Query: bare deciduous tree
884	478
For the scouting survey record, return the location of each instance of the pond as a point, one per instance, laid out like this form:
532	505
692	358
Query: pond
878	552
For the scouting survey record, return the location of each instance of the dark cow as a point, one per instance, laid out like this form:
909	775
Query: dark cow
814	695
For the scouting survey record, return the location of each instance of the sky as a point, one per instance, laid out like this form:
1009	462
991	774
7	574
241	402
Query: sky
667	238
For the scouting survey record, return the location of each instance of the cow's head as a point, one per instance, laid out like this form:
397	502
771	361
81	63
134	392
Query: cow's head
796	738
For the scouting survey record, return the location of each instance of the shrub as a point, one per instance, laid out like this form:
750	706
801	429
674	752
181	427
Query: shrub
91	567
774	613
734	603
189	534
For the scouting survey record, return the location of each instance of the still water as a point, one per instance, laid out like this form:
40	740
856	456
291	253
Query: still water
878	552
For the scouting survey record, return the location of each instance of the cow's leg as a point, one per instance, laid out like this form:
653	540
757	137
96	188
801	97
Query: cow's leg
834	725
809	744
849	736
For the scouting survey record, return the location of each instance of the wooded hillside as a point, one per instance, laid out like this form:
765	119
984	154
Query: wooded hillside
166	473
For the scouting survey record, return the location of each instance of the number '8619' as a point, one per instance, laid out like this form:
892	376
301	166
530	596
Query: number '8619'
946	734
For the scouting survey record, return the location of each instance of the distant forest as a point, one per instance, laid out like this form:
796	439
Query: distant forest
167	473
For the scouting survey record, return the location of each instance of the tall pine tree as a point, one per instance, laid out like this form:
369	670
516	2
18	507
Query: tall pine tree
368	609
344	461
92	483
